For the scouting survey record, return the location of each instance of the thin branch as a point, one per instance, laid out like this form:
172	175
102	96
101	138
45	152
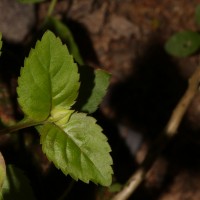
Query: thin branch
20	125
51	7
169	132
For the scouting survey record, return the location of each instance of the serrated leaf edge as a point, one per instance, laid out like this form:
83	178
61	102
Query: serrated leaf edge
71	174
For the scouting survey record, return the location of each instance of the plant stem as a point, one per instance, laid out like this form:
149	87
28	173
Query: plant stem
169	132
21	125
51	7
67	191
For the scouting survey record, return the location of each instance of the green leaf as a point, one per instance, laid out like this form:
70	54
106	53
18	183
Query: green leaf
49	80
30	1
16	185
2	170
0	42
183	44
61	30
78	148
95	83
197	14
93	90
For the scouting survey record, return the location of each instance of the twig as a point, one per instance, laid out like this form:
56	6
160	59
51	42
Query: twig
169	132
67	191
51	7
20	125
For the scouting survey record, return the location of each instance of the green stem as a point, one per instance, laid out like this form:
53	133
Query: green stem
21	125
51	7
67	191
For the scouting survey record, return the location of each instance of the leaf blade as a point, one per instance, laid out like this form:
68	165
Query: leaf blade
197	14
54	79
183	44
2	170
102	79
79	149
93	90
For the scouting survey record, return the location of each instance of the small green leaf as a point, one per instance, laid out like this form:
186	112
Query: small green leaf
16	185
197	14
2	170
183	44
93	90
0	42
49	80
115	187
30	1
94	82
78	148
61	30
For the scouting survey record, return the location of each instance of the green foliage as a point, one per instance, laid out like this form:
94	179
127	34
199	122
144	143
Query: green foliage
2	170
115	187
95	81
101	83
197	14
94	89
78	148
61	30
50	96
53	76
183	44
30	1
16	186
73	141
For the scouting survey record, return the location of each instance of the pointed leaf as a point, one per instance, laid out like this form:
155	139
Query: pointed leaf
16	185
49	79
93	90
61	30
183	44
78	148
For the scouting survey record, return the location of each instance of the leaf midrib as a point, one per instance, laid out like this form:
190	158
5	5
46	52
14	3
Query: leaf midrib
85	154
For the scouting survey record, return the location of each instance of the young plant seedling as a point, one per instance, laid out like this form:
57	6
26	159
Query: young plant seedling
48	88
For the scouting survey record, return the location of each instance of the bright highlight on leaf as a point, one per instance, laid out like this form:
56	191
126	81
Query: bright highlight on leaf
78	148
49	79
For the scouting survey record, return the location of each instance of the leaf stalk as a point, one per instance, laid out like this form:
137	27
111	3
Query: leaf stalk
21	125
